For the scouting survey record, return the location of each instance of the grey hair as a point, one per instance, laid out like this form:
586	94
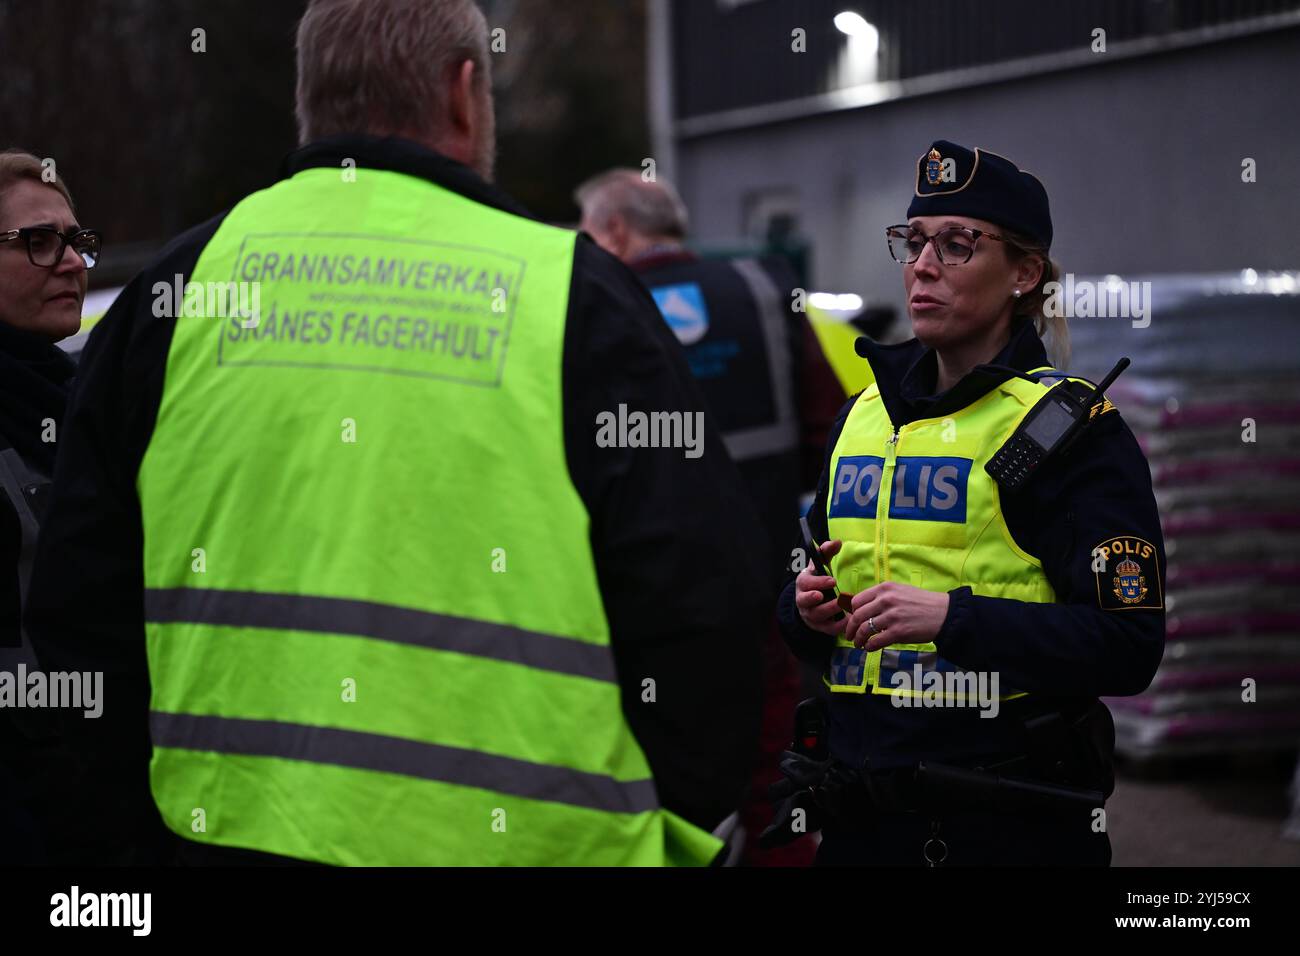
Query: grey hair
648	208
378	66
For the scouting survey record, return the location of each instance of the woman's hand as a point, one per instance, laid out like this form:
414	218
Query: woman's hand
816	611
901	614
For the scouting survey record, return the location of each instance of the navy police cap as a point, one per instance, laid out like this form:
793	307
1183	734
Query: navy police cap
952	180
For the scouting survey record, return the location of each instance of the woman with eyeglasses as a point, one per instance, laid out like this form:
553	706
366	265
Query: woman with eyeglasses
989	524
44	255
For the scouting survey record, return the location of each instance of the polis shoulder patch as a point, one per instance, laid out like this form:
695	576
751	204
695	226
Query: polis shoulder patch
1128	574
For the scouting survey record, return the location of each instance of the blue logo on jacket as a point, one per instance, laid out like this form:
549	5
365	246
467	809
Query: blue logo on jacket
684	310
925	488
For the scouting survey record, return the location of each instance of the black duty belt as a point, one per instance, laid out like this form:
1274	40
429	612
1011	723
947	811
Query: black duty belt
815	791
1065	760
931	787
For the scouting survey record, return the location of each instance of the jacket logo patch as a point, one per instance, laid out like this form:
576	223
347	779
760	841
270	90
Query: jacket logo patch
683	308
1130	584
924	488
1128	574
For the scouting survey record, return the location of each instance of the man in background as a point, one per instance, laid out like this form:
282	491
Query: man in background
766	381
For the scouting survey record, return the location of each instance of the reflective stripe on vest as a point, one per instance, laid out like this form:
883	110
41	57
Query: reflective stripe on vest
782	435
382	622
397	755
918	507
374	629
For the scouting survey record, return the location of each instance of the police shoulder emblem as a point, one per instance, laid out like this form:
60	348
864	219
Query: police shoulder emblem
1129	583
934	167
1128	574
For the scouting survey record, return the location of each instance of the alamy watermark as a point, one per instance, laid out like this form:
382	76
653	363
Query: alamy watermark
213	300
637	429
75	690
932	688
1110	297
75	908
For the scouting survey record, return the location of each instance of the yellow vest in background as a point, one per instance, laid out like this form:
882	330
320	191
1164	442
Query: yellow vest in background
836	339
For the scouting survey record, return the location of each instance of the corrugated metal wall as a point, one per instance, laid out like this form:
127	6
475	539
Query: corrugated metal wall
729	57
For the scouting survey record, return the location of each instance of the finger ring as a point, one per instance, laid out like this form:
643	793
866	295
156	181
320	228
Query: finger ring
871	625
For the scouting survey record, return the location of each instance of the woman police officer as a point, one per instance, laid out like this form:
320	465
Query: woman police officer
985	622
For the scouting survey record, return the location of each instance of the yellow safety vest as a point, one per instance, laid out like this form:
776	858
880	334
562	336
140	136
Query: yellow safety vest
338	672
939	527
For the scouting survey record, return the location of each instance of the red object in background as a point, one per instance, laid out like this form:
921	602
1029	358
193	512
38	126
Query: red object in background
781	693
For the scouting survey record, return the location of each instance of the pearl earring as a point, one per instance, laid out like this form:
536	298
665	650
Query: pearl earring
1016	293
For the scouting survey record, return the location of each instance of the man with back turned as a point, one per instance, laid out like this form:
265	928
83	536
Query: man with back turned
365	587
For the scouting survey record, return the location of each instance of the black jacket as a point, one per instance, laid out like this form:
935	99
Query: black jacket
1066	654
677	558
734	364
35	378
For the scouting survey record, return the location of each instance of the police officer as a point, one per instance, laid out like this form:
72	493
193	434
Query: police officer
983	620
364	585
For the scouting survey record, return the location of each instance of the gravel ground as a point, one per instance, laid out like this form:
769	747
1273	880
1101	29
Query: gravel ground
1203	812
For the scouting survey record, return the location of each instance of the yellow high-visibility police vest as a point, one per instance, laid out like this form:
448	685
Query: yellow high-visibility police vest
915	505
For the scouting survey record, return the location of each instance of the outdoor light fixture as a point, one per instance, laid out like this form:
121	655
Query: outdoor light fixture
859	61
852	24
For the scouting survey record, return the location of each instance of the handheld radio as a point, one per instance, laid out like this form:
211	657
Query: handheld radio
1047	428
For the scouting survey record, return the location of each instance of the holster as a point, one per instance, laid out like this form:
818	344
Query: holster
1074	751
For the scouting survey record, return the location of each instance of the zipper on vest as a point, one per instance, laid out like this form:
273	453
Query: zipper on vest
882	503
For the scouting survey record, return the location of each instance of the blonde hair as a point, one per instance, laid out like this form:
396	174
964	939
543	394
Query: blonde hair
377	66
17	165
1052	329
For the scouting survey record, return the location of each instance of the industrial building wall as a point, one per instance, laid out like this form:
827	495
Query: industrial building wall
1142	158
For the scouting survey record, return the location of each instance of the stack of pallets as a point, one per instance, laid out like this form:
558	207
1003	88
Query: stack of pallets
1214	397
